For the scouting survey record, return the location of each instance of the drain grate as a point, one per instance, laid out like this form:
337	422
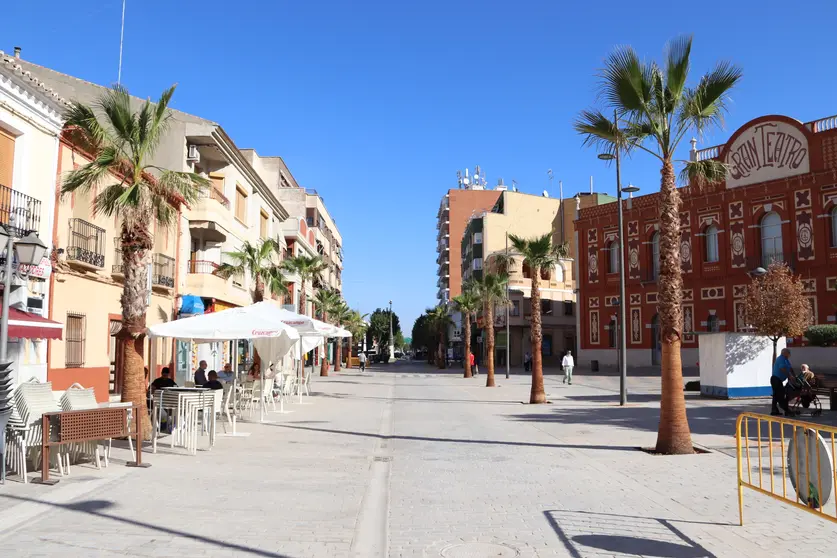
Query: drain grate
382	458
478	550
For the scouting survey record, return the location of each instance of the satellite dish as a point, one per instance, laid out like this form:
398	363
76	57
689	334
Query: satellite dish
814	490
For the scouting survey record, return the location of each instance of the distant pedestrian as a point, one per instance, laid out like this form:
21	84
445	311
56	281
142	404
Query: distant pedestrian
472	361
782	370
527	362
567	363
361	357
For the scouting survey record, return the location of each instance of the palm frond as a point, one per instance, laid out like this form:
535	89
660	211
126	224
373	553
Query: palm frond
227	270
625	81
701	173
91	175
677	66
598	131
705	105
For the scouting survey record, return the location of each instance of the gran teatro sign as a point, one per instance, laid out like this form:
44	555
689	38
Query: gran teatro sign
767	151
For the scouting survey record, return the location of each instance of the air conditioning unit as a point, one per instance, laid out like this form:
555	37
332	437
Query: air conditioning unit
192	154
35	305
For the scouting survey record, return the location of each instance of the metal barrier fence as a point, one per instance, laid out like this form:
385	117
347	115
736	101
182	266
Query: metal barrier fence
813	476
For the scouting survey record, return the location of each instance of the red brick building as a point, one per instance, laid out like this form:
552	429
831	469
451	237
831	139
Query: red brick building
779	202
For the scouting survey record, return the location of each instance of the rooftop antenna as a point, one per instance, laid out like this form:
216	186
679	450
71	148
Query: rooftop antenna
591	184
121	40
459	178
514	185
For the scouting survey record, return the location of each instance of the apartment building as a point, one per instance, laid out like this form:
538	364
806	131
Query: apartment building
484	237
455	208
329	241
30	126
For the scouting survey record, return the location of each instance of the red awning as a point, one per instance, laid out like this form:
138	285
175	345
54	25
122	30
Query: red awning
31	326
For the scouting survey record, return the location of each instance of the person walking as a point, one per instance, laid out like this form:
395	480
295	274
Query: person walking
361	357
782	370
567	363
472	361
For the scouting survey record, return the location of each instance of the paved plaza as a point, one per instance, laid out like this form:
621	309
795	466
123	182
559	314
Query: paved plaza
407	461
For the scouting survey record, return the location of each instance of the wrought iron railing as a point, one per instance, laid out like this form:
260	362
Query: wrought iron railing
202	266
117	268
21	214
86	243
163	270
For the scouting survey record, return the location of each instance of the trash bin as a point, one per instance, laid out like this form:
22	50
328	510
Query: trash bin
594	366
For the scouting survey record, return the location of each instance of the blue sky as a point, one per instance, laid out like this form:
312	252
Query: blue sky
377	104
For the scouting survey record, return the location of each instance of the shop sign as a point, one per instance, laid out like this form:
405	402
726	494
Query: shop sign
767	151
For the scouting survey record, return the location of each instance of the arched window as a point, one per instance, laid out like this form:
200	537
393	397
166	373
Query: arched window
655	255
613	257
834	227
771	239
711	236
559	273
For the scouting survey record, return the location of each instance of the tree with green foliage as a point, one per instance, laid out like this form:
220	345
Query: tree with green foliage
310	270
541	255
422	335
491	291
325	301
650	108
257	260
468	303
438	321
126	185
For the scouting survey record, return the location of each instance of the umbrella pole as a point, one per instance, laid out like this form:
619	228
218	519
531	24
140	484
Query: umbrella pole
261	394
300	372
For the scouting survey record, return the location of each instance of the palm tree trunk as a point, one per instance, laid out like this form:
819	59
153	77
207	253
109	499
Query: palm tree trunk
537	394
302	298
338	353
324	360
258	291
135	255
349	355
467	358
489	333
442	362
673	436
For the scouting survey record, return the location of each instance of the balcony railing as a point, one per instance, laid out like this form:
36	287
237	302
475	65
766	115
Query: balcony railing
202	266
118	268
162	270
20	213
215	194
86	243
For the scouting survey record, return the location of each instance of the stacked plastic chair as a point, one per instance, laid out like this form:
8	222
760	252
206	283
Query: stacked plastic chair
6	407
31	400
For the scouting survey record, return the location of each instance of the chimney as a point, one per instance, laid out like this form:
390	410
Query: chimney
17	52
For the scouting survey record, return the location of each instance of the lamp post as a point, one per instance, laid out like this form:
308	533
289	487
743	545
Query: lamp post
623	368
391	338
508	301
30	250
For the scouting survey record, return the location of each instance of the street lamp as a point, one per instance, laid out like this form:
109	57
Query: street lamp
30	250
623	367
391	338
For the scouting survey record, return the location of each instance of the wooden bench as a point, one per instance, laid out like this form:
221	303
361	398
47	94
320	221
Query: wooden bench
827	385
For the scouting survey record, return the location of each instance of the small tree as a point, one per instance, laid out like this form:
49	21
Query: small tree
776	304
467	303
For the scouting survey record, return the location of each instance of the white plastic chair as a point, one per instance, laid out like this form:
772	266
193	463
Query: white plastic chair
31	400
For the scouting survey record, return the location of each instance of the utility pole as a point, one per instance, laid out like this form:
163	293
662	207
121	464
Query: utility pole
508	329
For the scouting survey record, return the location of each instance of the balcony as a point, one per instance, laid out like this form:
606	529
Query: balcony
86	245
117	270
21	214
210	217
162	272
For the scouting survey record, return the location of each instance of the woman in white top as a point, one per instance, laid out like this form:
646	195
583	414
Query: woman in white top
567	363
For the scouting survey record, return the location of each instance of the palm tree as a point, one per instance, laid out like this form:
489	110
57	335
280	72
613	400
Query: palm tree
654	110
257	260
467	303
309	269
121	143
326	300
491	291
539	254
439	322
340	314
356	324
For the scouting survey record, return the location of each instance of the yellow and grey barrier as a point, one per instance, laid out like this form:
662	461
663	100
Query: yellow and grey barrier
806	453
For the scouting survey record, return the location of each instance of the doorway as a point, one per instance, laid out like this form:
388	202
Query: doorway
115	355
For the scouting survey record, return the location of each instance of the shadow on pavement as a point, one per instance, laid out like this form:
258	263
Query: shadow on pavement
457	440
96	508
419	399
616	534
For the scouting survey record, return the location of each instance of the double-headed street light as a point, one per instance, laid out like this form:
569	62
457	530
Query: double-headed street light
623	368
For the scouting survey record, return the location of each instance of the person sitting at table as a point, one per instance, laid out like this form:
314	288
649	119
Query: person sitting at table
164	381
255	372
213	382
226	375
200	374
